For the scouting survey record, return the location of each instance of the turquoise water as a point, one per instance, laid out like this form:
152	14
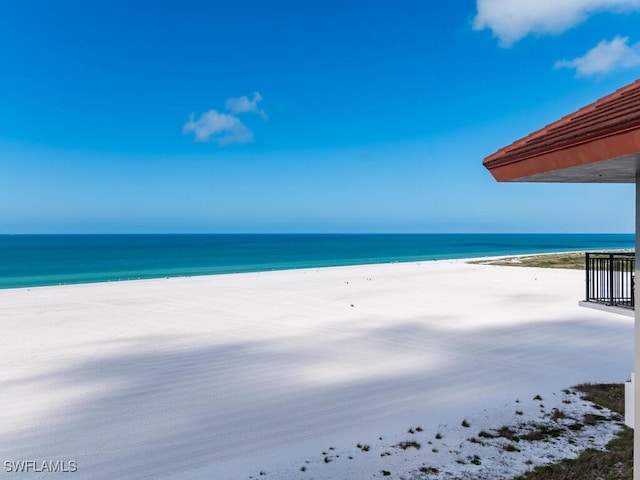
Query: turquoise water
34	260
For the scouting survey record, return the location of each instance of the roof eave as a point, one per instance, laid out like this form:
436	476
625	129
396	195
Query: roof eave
596	153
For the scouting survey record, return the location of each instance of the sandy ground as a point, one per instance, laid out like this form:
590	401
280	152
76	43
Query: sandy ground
231	376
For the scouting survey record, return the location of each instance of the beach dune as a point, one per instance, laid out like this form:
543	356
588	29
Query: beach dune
226	376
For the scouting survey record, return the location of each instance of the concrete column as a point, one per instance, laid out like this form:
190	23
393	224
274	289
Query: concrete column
636	346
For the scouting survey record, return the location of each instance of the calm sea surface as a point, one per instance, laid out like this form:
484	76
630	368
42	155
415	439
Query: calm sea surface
33	260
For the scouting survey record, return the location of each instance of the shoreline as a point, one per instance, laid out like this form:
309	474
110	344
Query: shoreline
487	258
30	261
227	375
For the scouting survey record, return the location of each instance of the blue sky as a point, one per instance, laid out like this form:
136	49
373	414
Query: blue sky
289	116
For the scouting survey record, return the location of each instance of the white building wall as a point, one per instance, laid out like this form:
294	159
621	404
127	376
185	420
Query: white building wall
629	402
636	360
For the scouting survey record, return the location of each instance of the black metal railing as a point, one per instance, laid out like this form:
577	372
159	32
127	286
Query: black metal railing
610	278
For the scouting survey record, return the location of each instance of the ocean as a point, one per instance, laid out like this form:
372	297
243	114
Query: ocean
38	260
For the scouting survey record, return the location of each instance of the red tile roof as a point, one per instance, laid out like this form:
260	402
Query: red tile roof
576	139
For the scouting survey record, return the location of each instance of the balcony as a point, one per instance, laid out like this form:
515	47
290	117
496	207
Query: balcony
610	279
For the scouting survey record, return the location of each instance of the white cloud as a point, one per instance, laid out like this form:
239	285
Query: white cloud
225	128
511	20
604	58
243	104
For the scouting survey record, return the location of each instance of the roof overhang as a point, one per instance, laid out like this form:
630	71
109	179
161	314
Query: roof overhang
599	143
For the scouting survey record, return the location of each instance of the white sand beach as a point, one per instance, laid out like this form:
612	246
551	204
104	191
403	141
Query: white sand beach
231	376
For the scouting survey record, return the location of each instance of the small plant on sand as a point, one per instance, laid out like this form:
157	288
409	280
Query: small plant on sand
431	470
591	419
510	448
409	444
557	414
465	424
475	460
507	433
541	432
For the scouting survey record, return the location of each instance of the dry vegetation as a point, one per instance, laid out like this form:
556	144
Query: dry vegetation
615	463
552	260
